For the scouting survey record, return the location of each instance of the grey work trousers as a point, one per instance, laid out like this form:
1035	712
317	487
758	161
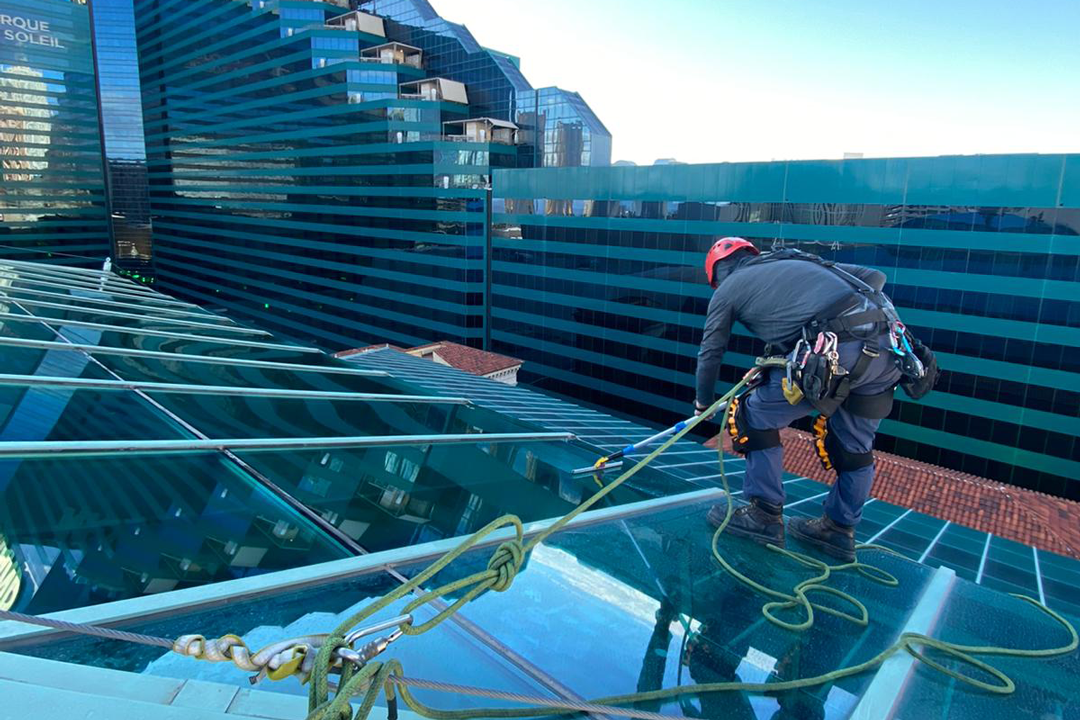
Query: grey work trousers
766	408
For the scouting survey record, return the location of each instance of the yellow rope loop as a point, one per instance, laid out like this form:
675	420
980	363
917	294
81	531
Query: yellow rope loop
909	641
874	573
506	562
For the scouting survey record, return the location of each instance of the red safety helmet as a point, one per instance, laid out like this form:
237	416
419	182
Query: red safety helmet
721	249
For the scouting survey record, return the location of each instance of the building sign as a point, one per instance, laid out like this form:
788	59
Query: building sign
16	28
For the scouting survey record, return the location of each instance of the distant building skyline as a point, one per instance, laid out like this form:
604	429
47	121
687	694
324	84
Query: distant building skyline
743	81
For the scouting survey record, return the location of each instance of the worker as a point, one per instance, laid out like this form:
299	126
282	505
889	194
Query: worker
845	352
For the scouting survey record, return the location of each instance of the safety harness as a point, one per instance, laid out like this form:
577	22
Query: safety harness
814	373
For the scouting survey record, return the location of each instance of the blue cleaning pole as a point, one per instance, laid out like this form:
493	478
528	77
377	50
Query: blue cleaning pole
609	462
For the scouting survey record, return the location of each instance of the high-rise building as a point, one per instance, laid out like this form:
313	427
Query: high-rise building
52	189
117	66
598	285
324	171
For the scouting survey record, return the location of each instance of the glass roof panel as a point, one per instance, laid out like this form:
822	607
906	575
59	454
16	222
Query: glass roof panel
33	414
16	327
136	319
974	615
293	614
641	599
81	531
393	497
17	360
647	590
175	370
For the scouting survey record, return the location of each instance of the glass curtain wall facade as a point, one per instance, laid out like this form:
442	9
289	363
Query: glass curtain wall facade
52	198
598	286
304	175
558	127
117	66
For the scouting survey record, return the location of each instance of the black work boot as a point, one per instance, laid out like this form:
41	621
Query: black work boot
759	521
831	537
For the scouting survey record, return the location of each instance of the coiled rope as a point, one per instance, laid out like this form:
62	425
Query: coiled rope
313	657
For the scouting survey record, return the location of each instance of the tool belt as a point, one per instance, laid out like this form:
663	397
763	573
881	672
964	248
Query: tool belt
814	374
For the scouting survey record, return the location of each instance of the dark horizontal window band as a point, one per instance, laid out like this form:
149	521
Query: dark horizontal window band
349	306
238	201
1004	472
305	321
1017	394
1024	220
353	222
1059	267
420	179
1020	352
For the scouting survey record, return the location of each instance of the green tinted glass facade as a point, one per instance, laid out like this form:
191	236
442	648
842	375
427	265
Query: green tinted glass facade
52	198
598	285
309	168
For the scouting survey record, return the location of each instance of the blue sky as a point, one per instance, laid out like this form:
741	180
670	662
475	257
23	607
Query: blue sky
715	80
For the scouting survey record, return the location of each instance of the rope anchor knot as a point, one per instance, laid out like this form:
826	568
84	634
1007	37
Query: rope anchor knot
506	562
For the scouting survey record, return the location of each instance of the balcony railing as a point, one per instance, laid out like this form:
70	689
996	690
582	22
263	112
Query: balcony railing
409	61
496	139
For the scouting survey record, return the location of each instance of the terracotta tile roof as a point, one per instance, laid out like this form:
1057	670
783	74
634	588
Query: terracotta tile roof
462	357
468	359
1029	517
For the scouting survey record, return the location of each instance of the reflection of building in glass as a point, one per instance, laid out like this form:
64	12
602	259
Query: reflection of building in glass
597	286
52	195
9	577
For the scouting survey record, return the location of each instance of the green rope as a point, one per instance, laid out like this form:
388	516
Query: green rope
376	676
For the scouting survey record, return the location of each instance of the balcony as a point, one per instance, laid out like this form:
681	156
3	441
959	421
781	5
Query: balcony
393	53
434	89
481	130
358	21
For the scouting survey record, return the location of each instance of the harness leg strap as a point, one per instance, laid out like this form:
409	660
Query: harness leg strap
831	452
843	460
744	438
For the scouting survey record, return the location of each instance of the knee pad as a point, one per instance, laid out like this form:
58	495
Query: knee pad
831	452
744	438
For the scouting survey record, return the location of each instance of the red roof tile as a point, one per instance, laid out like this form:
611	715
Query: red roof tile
462	357
468	359
1029	517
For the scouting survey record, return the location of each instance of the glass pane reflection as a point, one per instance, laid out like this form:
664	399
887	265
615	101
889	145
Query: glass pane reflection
81	531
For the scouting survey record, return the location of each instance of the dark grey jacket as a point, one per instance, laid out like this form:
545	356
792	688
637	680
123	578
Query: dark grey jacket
774	300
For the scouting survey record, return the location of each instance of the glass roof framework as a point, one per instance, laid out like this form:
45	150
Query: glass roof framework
635	594
979	557
147	444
